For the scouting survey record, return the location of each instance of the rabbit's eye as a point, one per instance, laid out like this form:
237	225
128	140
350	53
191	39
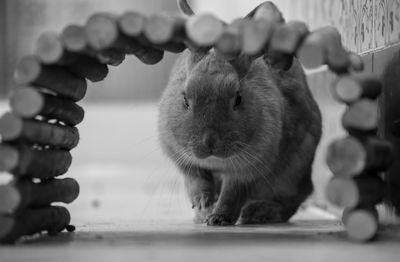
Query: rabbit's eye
185	101
238	100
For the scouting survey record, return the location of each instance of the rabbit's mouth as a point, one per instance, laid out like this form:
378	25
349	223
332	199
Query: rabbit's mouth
202	152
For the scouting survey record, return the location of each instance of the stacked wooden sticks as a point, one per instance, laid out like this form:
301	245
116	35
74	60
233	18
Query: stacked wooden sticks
357	160
40	130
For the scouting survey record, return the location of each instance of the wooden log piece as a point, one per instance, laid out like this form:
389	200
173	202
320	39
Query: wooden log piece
28	102
349	157
103	33
288	37
37	132
50	51
52	219
230	44
285	40
204	30
324	46
311	53
356	62
166	33
89	68
353	87
9	158
350	193
269	12
74	39
361	223
53	78
132	24
111	57
26	194
256	36
24	161
337	58
347	211
362	116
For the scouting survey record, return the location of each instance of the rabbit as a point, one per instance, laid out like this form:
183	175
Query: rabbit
243	134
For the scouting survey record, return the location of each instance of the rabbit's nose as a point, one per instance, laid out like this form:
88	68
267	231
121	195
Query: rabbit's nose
210	140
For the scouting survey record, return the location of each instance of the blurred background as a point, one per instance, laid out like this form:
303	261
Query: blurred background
122	171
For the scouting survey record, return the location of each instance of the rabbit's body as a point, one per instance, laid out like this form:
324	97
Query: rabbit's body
244	138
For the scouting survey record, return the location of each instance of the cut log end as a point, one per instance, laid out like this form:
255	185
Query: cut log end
353	87
159	29
10	199
347	89
9	158
361	116
27	70
204	30
356	62
311	55
346	157
132	24
11	127
26	102
288	37
101	31
361	225
49	49
342	192
229	45
74	39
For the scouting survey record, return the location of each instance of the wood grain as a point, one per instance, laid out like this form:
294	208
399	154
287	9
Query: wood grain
13	128
29	102
53	78
32	221
22	160
20	195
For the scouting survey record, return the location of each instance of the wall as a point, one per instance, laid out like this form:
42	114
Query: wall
3	51
365	24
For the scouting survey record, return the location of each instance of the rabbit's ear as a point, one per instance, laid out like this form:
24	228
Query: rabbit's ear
266	10
270	12
185	7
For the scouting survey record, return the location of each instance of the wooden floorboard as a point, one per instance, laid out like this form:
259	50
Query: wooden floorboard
318	240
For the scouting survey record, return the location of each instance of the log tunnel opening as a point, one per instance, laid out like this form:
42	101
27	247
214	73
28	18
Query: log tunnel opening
53	80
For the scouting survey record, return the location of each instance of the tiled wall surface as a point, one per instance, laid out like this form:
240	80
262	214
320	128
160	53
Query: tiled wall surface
365	25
